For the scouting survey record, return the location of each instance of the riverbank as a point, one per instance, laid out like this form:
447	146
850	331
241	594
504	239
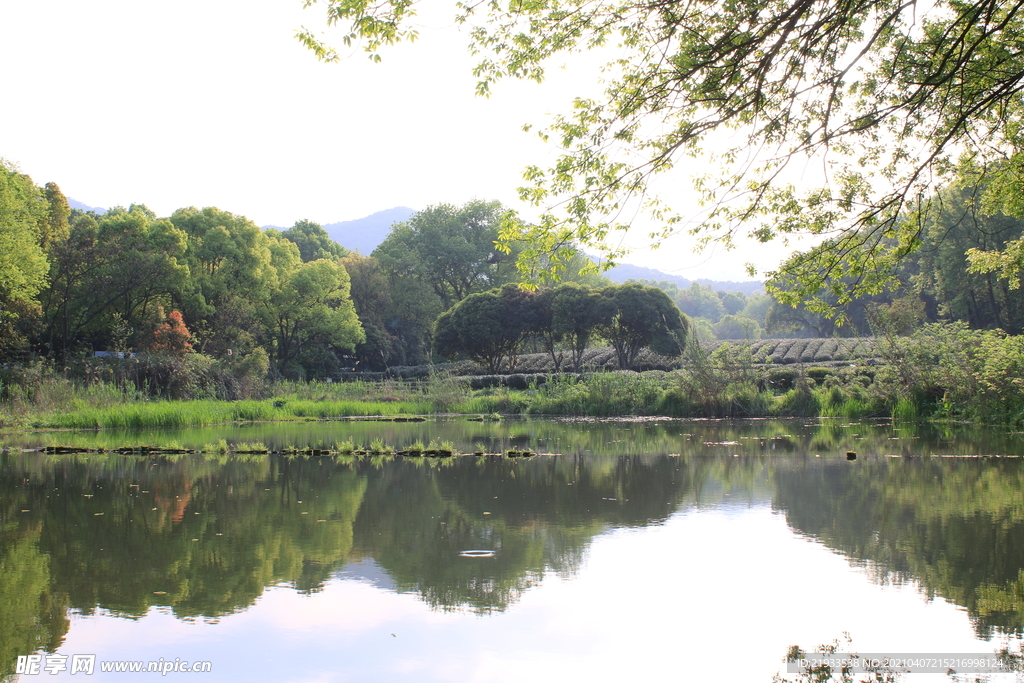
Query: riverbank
944	372
793	392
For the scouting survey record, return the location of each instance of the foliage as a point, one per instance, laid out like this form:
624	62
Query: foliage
887	95
736	327
576	315
232	276
431	262
172	337
636	317
491	327
961	268
23	216
313	242
374	303
450	250
488	327
119	270
953	371
312	308
56	227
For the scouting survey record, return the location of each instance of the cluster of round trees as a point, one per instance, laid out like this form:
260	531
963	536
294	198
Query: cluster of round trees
491	327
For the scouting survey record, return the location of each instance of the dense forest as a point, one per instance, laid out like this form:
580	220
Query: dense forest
207	291
208	296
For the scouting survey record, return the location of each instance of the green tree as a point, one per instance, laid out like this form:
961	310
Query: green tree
434	260
756	308
735	327
637	317
939	273
451	249
112	272
700	301
231	278
577	312
371	295
890	96
23	264
313	309
56	227
489	327
313	242
733	302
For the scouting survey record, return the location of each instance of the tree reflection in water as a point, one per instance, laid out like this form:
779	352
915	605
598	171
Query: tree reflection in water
204	536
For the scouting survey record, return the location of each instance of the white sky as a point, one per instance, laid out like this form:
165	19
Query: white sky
215	103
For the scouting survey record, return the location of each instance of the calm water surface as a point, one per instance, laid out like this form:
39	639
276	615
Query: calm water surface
661	550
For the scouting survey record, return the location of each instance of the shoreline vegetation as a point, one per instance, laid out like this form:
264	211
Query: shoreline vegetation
944	371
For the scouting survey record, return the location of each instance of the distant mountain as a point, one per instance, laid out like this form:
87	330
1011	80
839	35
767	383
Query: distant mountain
364	234
627	271
83	207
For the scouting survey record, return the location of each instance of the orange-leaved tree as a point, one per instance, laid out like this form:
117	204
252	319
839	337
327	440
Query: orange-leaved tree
171	336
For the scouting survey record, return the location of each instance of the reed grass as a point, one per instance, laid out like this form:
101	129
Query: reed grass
186	414
905	410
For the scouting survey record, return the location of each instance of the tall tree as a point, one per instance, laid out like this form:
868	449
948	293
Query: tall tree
313	242
232	277
112	271
371	295
889	95
577	312
451	249
56	227
311	309
489	327
23	263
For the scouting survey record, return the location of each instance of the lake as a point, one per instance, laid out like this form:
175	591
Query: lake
652	550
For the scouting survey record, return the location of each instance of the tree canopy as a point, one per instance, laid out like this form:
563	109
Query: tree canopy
887	98
490	327
450	249
22	260
313	241
640	317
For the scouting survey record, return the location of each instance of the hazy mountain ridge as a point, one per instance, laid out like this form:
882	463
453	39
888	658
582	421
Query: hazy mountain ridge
627	271
364	234
75	204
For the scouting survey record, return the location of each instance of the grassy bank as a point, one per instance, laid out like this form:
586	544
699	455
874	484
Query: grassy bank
945	372
712	392
54	401
201	413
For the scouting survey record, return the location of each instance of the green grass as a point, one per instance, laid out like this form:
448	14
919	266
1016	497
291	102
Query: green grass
219	447
905	410
716	388
185	414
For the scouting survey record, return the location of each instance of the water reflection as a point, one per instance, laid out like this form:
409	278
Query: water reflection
204	537
955	526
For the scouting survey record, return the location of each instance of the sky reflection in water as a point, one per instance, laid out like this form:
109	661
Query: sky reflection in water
715	588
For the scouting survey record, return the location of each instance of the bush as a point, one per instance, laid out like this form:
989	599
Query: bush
781	378
819	375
